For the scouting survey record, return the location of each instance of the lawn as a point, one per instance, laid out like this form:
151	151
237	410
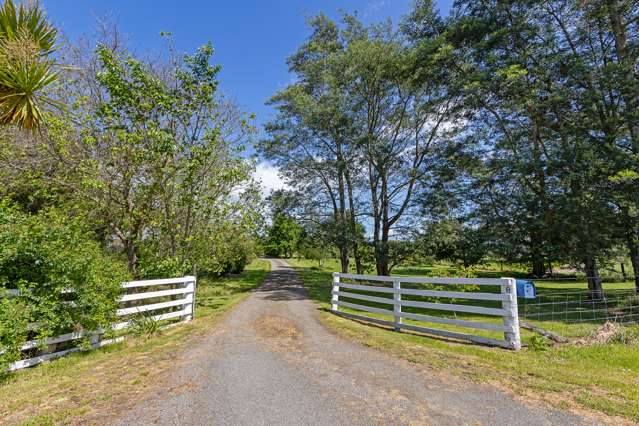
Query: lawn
598	379
88	387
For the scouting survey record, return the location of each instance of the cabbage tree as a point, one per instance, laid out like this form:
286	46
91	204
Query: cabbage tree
27	41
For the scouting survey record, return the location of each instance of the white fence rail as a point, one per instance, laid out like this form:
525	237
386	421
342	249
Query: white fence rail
506	299
172	298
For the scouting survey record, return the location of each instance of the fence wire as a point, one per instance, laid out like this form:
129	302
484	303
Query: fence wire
578	306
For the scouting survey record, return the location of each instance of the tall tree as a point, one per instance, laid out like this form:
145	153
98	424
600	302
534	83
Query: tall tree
313	138
529	69
403	110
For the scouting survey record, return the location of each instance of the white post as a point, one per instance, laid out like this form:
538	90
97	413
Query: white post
334	295
397	306
511	317
190	297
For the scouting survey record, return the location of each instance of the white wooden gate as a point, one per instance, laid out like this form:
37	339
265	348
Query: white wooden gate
171	298
392	294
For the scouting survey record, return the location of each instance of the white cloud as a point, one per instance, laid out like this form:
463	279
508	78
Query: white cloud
268	177
375	6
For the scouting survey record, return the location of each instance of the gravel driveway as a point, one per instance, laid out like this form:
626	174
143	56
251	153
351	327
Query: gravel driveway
270	362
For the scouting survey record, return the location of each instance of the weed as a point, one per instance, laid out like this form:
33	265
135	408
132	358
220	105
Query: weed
538	343
144	325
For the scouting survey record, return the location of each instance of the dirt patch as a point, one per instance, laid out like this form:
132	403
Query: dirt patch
605	334
277	327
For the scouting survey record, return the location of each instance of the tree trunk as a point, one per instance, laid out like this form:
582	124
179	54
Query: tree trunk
538	267
382	249
537	257
593	278
634	260
344	261
629	92
359	267
132	258
623	271
381	257
342	229
376	216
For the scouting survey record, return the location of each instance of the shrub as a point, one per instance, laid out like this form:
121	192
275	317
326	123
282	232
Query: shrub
66	281
152	267
538	343
227	253
13	330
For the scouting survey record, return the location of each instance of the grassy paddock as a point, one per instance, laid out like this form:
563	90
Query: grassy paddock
600	379
552	321
87	387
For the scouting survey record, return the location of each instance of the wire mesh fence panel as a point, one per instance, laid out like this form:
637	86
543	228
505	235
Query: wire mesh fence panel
577	312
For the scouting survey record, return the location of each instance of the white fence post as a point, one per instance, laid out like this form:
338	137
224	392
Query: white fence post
334	295
190	297
397	305
511	318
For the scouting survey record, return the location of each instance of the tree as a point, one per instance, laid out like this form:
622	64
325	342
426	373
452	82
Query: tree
283	237
364	104
152	153
537	75
313	138
27	41
404	111
315	244
453	241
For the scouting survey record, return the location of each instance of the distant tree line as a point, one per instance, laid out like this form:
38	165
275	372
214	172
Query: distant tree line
511	127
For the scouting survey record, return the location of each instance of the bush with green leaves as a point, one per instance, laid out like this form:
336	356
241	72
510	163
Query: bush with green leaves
153	266
66	281
538	343
227	250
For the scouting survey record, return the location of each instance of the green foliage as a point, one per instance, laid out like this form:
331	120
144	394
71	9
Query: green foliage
553	174
232	250
453	241
26	71
153	266
538	343
66	281
14	321
144	325
283	237
154	159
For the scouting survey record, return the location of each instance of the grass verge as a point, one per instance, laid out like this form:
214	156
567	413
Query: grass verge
600	379
87	387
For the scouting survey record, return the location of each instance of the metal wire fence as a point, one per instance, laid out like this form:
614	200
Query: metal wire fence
563	311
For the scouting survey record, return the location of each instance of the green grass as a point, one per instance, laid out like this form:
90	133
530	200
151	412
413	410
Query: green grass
87	387
599	379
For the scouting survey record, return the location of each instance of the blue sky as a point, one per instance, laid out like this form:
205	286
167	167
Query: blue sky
252	38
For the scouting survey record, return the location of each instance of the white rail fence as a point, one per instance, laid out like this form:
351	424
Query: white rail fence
506	299
170	298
